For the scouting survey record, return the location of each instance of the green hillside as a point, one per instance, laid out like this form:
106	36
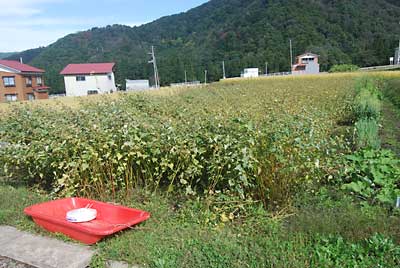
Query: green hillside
243	33
4	55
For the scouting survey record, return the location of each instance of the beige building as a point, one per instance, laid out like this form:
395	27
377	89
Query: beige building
20	82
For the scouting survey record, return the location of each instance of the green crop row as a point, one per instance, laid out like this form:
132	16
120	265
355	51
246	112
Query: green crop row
370	173
245	139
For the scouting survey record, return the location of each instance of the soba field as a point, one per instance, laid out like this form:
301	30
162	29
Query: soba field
295	171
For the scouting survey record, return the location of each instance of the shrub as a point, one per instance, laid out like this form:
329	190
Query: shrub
341	68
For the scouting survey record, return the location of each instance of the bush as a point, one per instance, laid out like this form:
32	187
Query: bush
341	68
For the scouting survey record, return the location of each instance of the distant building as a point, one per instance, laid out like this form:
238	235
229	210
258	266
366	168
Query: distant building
250	72
21	82
396	56
89	78
306	63
137	85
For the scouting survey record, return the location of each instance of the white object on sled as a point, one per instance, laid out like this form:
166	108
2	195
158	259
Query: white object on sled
81	215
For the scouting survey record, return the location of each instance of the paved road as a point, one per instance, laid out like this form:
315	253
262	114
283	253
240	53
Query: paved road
8	263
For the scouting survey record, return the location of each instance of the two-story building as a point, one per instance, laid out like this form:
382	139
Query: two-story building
89	78
19	82
306	63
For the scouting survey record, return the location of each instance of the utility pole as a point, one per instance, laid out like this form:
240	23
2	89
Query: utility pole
205	77
266	68
398	54
223	69
185	77
291	55
154	62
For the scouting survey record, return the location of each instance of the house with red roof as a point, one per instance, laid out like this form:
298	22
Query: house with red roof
306	63
89	78
20	82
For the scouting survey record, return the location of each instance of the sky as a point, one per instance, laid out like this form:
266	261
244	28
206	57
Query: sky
29	24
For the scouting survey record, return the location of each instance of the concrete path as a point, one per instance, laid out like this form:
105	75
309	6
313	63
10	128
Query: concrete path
42	252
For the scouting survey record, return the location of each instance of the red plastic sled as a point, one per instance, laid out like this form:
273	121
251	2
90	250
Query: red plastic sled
110	218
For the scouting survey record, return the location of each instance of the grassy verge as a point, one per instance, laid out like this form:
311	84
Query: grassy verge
390	133
322	231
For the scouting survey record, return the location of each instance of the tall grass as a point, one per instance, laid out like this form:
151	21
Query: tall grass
367	111
368	134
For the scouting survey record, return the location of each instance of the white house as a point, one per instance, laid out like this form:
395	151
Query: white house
137	85
250	72
89	78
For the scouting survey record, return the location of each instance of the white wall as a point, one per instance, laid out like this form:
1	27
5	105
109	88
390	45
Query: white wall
99	82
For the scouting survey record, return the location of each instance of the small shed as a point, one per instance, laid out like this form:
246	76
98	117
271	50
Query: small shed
137	85
250	72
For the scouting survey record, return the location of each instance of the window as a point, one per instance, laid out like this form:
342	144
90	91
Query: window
30	96
11	97
109	77
28	81
92	92
9	81
307	60
81	78
39	81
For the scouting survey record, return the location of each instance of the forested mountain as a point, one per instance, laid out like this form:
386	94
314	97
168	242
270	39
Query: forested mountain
6	54
244	33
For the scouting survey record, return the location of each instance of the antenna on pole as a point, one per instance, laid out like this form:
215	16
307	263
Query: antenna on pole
223	69
291	55
154	62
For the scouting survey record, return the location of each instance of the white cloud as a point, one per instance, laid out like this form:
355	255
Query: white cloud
22	8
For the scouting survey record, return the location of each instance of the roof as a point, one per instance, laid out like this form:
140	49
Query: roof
88	68
307	54
20	67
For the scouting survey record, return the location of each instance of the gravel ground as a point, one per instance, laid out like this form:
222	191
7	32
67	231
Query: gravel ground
9	263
